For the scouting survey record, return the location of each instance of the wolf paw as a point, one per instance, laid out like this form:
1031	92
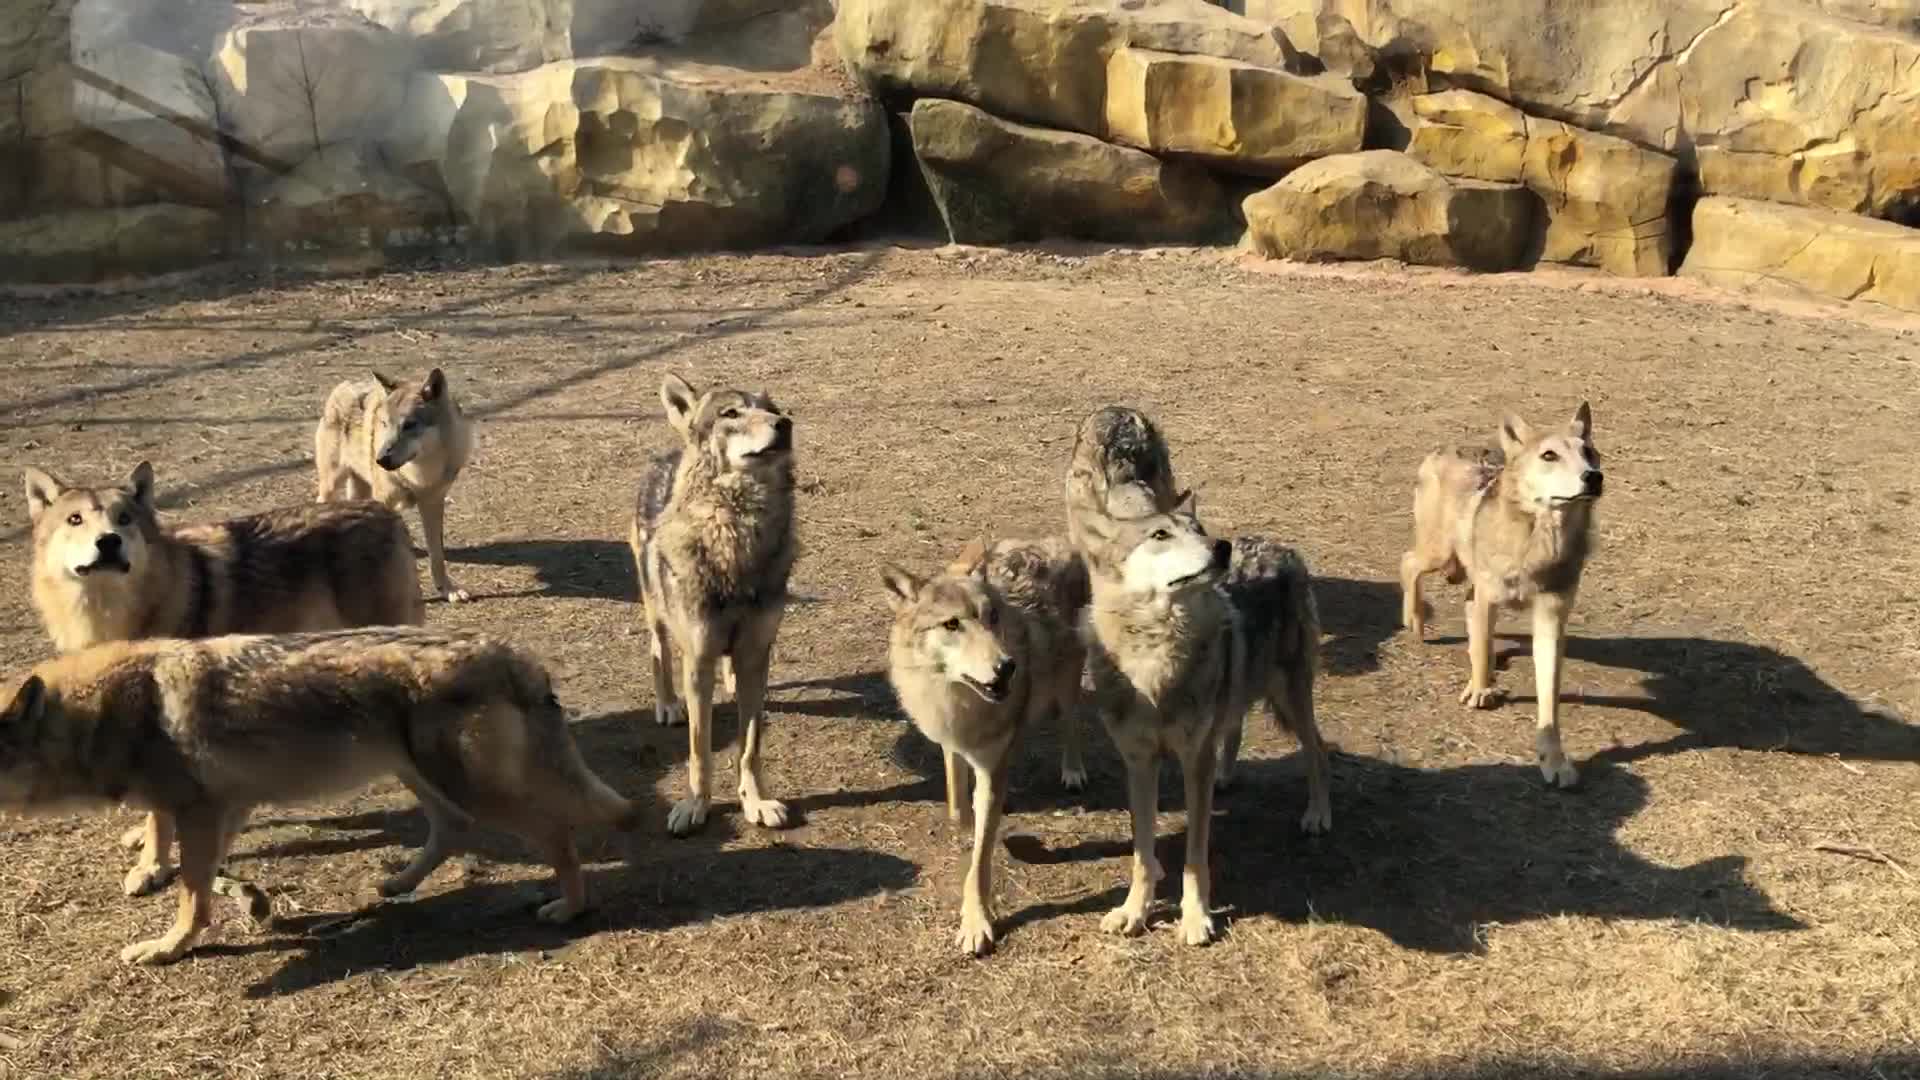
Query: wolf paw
155	951
1483	698
143	879
687	815
670	714
1317	820
975	936
1196	927
1559	772
557	912
454	594
1124	920
1073	777
135	838
766	813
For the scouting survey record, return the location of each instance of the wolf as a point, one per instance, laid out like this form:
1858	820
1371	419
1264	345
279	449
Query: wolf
205	730
1120	468
1517	524
1184	633
978	653
105	569
402	445
714	542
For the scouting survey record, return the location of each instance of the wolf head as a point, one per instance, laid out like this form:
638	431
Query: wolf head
20	725
1159	555
93	535
1556	466
733	430
413	422
952	623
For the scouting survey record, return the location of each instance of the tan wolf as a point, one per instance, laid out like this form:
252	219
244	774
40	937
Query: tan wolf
1185	633
1517	524
978	653
206	730
714	543
401	445
105	569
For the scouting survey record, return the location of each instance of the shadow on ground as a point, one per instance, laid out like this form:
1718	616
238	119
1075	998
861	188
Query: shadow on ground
582	569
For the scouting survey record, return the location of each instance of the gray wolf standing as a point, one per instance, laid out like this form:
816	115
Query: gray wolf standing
1185	632
1517	524
204	731
399	444
105	569
714	542
978	653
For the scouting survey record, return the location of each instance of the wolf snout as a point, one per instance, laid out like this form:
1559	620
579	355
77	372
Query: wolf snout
108	545
1003	675
1222	554
1592	481
387	461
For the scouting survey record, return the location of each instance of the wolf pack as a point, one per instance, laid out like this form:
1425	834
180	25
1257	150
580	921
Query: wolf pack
204	670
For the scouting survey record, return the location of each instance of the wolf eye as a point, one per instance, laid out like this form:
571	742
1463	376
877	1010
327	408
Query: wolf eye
951	626
409	424
73	519
124	518
1162	534
729	413
1548	455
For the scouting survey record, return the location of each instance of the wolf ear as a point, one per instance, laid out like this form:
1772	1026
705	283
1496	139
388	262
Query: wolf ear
141	484
679	398
436	385
1583	422
42	489
1515	434
386	381
901	586
971	560
27	702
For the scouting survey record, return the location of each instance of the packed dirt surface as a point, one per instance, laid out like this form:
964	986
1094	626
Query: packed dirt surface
1731	891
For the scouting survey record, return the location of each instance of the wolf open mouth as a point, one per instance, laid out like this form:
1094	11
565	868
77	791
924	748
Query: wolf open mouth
116	563
989	692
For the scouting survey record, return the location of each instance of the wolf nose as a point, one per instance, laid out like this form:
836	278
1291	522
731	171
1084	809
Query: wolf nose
783	426
1222	554
108	543
1003	672
1593	480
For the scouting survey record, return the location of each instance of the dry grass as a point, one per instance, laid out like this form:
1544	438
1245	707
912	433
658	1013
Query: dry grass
1745	646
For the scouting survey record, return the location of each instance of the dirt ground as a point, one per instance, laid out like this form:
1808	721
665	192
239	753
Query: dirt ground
1731	892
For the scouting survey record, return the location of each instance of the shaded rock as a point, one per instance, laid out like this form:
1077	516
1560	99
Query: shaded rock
1746	243
1605	200
638	154
1382	204
81	245
344	195
1037	61
292	82
996	182
1231	114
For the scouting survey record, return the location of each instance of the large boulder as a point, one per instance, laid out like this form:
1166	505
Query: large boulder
1382	204
996	182
478	35
1745	243
1232	114
344	195
1039	61
78	245
639	154
1898	14
1779	82
1606	201
292	82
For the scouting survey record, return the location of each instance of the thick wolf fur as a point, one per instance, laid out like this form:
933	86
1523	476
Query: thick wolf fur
1185	634
400	444
206	730
978	653
714	543
1517	523
105	569
1120	469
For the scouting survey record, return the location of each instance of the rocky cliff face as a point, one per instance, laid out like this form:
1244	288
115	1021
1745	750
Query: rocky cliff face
1575	131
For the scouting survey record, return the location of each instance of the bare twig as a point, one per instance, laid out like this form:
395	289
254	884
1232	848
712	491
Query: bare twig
1867	852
